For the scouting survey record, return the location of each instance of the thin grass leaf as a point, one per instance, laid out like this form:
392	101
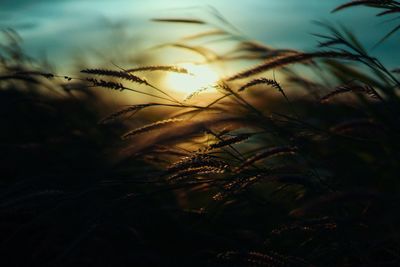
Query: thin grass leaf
38	73
190	21
204	34
19	77
375	3
351	125
281	61
366	89
206	53
159	68
384	38
274	151
388	12
131	109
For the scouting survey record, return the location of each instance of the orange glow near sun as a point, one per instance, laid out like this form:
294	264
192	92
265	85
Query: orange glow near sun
201	76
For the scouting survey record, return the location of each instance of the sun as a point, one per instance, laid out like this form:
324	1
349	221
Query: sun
201	76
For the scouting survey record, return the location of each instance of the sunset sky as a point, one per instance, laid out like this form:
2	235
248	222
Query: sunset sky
61	28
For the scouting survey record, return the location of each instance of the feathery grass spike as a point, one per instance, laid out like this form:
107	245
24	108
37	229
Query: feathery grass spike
230	141
117	74
106	84
150	127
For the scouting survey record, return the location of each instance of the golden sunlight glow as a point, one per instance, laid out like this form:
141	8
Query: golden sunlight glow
201	77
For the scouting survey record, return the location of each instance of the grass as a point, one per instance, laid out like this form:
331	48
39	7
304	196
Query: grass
296	171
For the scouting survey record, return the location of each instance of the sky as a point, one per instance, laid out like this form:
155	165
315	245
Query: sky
64	29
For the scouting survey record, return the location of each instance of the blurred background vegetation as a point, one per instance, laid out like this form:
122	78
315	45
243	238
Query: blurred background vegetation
192	144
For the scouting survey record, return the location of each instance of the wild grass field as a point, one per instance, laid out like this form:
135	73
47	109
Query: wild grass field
288	158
